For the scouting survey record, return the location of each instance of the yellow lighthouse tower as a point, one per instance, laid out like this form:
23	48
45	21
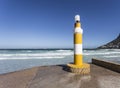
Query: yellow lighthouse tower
78	66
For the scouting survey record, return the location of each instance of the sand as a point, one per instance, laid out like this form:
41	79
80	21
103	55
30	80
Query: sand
58	77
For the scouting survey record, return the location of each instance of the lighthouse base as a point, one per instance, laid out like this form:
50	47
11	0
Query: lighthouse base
79	69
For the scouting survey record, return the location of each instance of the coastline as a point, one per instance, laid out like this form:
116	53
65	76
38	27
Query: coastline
14	60
56	76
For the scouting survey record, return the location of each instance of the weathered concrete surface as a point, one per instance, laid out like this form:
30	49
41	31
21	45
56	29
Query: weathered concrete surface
19	79
57	77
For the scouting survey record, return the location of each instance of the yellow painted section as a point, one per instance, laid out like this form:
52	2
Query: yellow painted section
77	24
78	59
84	65
82	69
77	38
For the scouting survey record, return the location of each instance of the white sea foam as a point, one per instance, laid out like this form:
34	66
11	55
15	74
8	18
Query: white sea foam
12	60
29	51
46	55
29	54
101	53
110	56
63	50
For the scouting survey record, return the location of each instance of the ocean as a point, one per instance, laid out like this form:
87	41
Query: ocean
19	59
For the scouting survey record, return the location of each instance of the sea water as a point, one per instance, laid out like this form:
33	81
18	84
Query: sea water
18	59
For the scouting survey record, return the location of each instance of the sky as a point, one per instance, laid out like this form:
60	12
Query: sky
50	23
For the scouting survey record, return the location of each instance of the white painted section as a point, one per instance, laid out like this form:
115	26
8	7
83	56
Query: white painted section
77	17
78	30
77	48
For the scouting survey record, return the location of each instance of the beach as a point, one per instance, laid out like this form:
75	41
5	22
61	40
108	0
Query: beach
56	76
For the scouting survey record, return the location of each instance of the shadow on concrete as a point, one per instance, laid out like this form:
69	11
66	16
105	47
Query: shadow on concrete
65	67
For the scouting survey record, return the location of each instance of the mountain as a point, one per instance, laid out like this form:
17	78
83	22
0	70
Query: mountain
115	44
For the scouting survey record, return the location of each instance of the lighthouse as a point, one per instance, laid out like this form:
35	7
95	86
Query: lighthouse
78	66
78	31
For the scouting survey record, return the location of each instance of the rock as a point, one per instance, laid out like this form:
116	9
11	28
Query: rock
115	44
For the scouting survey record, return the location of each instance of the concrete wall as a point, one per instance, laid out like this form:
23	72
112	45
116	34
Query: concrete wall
107	64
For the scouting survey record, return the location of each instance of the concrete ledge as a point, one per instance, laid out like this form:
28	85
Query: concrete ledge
58	77
107	64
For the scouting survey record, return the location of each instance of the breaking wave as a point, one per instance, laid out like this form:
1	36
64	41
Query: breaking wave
52	54
36	55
